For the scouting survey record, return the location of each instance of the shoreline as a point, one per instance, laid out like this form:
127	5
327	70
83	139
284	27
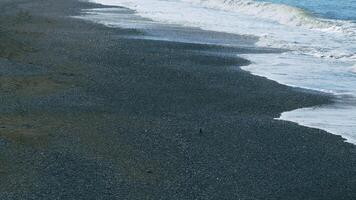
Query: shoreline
286	68
100	115
342	105
161	32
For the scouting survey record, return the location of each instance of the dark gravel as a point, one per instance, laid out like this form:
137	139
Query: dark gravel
88	113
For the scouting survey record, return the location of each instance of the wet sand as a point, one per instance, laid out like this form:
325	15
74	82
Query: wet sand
88	113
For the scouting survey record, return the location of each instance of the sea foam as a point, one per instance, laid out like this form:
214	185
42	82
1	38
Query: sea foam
284	14
276	25
320	52
353	68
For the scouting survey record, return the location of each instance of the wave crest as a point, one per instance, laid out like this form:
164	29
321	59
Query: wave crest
281	13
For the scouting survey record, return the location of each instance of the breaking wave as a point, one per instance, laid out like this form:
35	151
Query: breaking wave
321	52
340	31
281	13
276	25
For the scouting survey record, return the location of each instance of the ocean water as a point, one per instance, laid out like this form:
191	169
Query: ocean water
319	37
331	9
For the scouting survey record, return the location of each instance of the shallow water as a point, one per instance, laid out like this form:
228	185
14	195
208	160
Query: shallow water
338	118
320	45
332	9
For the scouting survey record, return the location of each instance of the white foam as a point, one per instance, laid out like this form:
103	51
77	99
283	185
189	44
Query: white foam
277	25
331	76
322	55
339	119
310	72
281	13
353	68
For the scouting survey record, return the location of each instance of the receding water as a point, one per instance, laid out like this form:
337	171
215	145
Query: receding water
319	36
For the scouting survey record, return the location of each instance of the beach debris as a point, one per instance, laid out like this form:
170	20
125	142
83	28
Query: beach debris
200	131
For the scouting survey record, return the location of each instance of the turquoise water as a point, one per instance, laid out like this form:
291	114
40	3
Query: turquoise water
331	9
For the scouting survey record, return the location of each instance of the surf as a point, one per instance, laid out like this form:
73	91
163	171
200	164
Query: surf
319	53
281	13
